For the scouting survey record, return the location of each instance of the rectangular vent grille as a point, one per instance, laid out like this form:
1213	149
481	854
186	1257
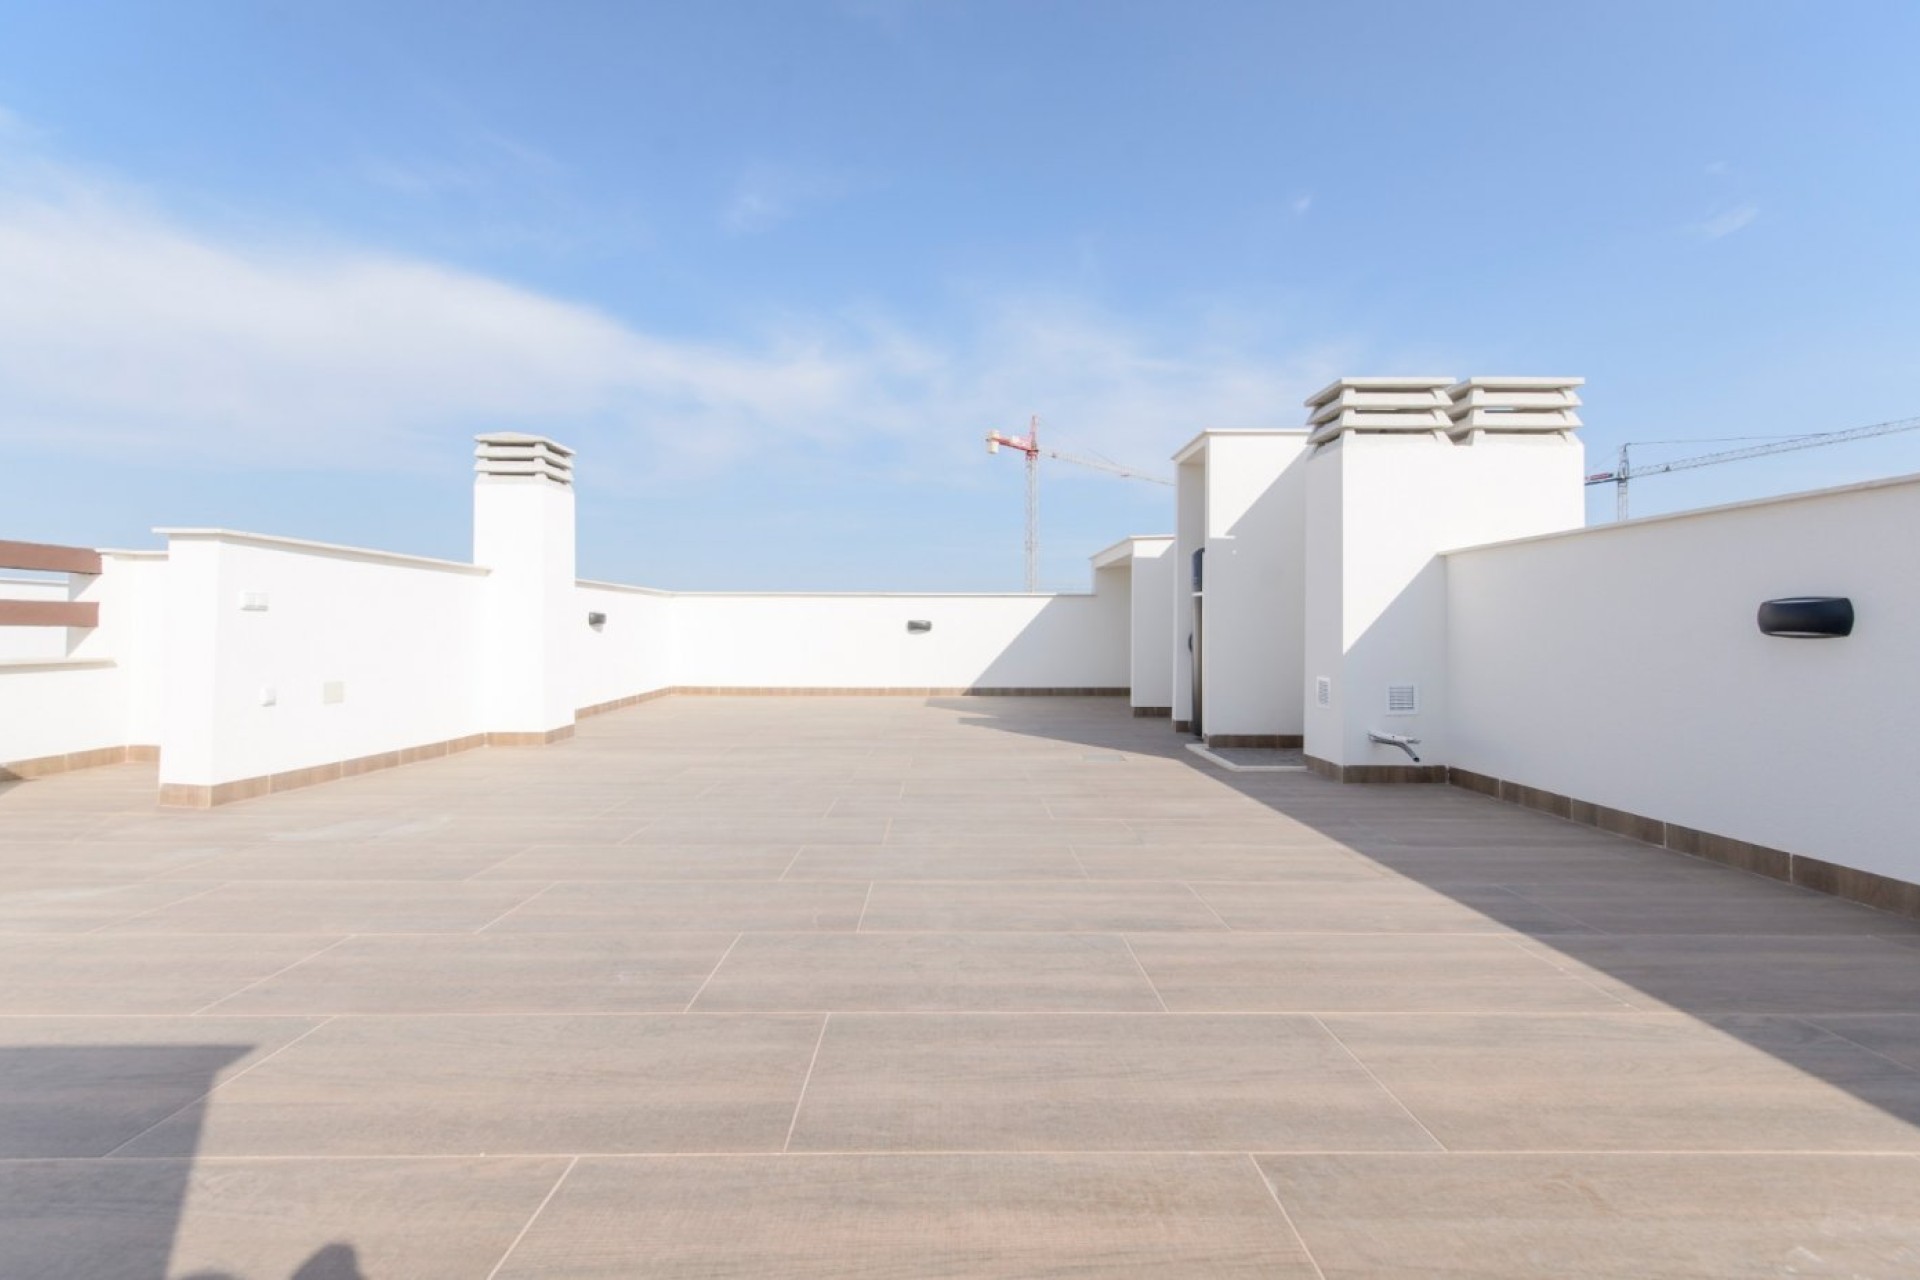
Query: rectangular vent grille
1403	699
1323	691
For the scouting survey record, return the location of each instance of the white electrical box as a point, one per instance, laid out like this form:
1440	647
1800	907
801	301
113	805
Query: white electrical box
333	691
268	697
253	602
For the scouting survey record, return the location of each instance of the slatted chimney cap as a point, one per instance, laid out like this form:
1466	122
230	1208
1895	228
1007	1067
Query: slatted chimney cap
514	455
1511	404
1378	404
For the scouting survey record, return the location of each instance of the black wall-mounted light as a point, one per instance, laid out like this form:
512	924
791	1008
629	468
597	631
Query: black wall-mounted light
1807	617
917	625
596	620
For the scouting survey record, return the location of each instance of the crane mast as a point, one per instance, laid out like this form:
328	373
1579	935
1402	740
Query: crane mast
1029	446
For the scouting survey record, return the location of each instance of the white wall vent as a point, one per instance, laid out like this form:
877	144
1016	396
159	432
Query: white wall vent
1403	699
1322	691
253	602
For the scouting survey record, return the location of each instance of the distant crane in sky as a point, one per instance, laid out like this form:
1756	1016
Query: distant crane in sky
1625	472
1030	446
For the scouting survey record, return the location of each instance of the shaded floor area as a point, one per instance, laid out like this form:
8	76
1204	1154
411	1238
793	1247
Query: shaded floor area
892	987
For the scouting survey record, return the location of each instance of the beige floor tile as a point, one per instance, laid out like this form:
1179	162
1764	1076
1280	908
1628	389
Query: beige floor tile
935	862
1311	973
646	862
459	1085
317	906
493	973
1384	906
1897	1038
1287	864
83	1086
728	906
1747	973
82	907
316	861
1637	1082
265	1219
1734	903
909	1217
1092	1082
105	973
923	972
1061	907
1601	1217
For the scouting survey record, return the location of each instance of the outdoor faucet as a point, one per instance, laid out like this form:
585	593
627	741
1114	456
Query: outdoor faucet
1399	740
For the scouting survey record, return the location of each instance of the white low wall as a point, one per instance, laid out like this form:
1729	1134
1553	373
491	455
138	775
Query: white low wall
398	635
58	706
629	654
1622	665
862	641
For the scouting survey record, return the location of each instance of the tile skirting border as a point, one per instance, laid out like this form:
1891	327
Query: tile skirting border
1183	726
1377	773
47	766
618	704
1255	740
896	691
184	795
1153	713
1867	888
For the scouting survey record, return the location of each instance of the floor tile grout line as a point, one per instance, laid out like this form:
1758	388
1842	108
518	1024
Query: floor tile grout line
141	915
1188	886
1117	1153
550	885
861	921
1813	1020
1285	1217
701	989
213	1004
539	1209
474	875
221	1084
801	1100
791	861
1381	1084
1521	946
1151	984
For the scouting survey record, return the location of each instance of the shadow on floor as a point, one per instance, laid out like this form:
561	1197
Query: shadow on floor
65	1212
1814	982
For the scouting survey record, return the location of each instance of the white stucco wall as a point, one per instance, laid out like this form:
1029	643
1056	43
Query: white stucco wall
1381	509
1150	663
1255	582
1622	665
53	706
32	642
400	634
632	653
764	640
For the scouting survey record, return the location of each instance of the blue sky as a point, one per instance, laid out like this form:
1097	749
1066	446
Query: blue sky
774	268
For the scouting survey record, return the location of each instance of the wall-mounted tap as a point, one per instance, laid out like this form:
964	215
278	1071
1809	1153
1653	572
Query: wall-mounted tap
1399	740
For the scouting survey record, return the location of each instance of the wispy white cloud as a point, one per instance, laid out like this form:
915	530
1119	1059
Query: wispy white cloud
1730	221
766	195
1302	203
1719	169
126	331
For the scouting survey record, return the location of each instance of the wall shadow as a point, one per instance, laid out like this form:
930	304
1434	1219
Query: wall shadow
64	1211
1766	963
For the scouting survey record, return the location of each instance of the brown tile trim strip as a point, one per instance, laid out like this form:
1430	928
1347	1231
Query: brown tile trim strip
1183	726
178	795
49	613
44	557
1255	740
1373	773
966	691
1153	712
634	700
45	766
1864	887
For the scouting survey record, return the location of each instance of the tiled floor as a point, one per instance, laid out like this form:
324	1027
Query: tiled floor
894	988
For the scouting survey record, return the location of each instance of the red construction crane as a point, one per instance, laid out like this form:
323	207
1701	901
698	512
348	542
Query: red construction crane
1029	445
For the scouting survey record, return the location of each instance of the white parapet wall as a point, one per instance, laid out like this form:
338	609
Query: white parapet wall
284	656
771	641
623	644
1148	563
1623	666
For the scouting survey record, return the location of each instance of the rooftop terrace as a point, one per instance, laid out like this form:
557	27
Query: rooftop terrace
905	987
